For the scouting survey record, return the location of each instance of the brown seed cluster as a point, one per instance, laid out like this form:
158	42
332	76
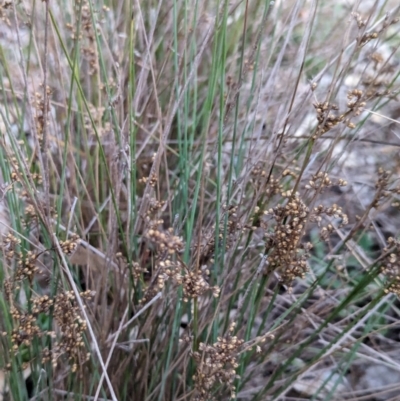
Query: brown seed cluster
355	102
322	180
234	229
366	37
25	262
217	363
396	191
26	266
40	109
152	180
377	83
333	211
69	246
11	244
25	323
195	285
72	328
26	318
259	179
30	213
136	269
390	265
168	264
88	32
167	243
385	188
361	23
16	174
235	226
287	253
15	169
5	6
328	117
154	209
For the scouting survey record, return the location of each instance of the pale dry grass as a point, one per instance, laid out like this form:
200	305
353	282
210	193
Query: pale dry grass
197	167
